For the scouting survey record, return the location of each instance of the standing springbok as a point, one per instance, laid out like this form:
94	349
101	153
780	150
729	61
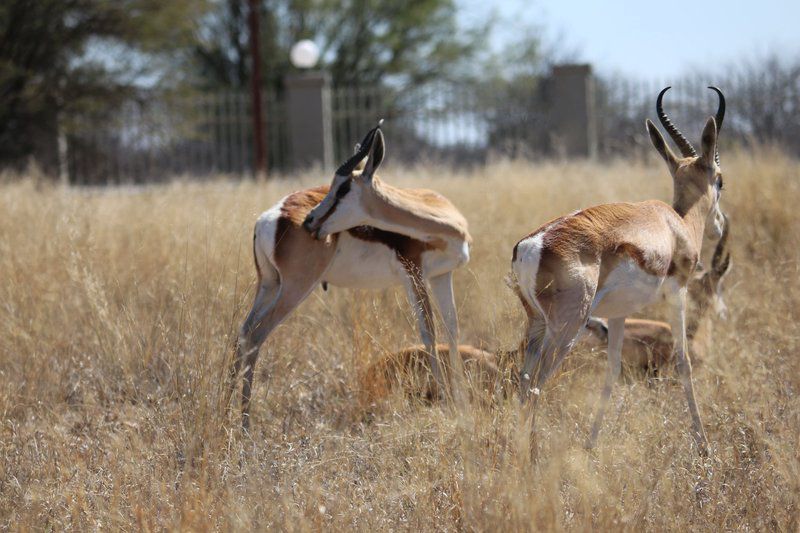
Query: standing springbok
358	232
612	260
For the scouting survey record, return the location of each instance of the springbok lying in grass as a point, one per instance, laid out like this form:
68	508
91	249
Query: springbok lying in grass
647	344
612	260
409	370
358	232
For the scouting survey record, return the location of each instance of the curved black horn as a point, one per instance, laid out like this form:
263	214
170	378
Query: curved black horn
363	150
719	117
683	144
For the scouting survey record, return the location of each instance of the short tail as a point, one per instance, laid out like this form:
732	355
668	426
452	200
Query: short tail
255	257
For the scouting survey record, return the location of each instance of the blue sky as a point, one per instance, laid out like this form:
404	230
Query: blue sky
647	39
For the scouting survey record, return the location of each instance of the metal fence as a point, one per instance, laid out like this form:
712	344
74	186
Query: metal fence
761	108
440	122
160	136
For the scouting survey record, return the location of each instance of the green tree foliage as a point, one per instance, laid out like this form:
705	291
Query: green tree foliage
69	60
362	41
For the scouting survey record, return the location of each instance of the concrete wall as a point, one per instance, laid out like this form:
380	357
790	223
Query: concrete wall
308	113
573	111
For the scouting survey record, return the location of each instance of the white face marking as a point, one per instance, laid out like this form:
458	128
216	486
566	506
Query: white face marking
348	212
715	221
719	302
339	210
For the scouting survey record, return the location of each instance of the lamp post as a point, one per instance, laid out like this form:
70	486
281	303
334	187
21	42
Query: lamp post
304	54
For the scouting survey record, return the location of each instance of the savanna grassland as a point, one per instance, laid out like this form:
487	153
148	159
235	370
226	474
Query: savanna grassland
119	307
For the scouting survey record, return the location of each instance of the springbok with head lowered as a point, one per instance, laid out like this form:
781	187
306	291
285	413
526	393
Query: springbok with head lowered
358	232
612	260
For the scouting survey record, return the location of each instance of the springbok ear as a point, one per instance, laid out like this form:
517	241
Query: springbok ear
357	159
661	146
376	153
360	166
725	267
709	140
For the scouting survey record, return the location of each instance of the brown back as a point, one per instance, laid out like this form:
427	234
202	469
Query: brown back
409	369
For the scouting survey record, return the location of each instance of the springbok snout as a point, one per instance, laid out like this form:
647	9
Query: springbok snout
312	226
308	223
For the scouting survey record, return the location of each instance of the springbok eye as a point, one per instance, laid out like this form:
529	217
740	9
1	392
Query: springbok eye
343	189
719	183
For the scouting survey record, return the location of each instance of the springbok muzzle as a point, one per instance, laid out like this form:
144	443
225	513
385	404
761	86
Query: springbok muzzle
310	226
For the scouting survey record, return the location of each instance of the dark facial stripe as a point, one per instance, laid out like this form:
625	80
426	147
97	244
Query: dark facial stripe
327	215
341	192
343	189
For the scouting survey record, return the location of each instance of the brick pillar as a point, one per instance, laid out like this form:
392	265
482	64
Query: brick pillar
308	113
574	121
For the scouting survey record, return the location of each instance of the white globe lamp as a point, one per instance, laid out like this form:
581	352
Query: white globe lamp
304	54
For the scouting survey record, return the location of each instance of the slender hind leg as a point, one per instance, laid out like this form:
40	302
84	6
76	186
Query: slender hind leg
290	295
268	287
684	364
544	359
564	321
442	288
616	334
303	262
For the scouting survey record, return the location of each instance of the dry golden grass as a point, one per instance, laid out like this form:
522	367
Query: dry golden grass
118	309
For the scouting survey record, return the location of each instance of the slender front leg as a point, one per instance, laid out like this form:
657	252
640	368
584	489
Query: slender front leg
421	305
684	365
616	334
442	288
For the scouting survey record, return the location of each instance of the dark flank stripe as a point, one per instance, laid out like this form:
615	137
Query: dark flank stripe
408	250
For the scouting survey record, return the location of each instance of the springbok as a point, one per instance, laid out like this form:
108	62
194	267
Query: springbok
358	232
612	260
647	344
409	370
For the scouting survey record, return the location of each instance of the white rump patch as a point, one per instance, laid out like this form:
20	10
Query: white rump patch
526	266
266	227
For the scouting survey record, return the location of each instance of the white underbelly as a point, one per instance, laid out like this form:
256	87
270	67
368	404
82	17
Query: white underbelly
370	265
626	290
363	265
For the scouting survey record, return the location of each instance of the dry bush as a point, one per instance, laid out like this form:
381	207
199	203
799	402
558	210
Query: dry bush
118	310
